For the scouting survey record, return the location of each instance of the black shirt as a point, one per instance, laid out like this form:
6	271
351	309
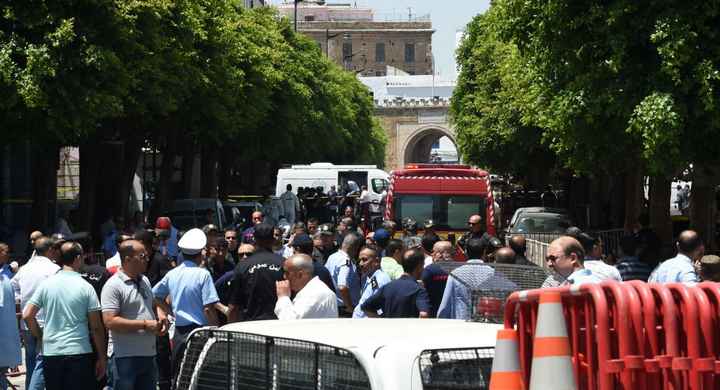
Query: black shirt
96	275
434	278
401	298
158	267
483	236
217	270
253	286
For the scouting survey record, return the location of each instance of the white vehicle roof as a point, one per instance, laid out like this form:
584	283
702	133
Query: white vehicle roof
325	165
375	333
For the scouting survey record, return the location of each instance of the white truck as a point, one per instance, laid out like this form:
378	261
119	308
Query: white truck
326	175
340	354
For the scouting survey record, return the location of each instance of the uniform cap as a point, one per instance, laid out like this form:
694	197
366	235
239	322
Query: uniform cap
327	229
163	223
429	224
193	242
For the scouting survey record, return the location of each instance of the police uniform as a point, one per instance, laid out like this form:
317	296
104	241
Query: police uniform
344	274
483	236
190	288
370	286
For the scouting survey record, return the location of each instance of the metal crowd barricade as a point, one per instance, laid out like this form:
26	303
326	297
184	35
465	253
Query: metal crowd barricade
631	335
536	252
610	239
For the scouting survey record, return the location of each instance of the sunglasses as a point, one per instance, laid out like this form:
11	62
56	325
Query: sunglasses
553	259
244	254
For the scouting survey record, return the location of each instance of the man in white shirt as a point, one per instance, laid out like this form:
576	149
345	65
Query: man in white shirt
313	299
24	284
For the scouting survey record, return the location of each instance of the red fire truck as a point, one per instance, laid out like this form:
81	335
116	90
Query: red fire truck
446	194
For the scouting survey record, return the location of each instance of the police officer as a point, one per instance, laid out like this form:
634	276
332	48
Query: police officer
344	273
373	277
192	291
477	230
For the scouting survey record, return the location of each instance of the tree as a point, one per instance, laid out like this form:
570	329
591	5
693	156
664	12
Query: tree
490	105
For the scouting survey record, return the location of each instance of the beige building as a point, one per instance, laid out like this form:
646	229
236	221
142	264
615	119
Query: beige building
362	42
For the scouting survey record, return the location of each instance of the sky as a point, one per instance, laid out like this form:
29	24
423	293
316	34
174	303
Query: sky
447	17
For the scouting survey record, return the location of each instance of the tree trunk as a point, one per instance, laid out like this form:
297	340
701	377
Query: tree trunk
703	206
633	197
188	164
167	167
89	176
45	161
660	219
131	154
224	168
209	175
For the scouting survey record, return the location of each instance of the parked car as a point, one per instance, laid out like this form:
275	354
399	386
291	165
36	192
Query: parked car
376	354
539	220
193	213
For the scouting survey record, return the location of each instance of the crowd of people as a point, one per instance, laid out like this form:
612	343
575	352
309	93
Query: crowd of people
94	326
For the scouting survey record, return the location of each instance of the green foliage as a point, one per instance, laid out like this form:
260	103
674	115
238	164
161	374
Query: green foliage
606	85
205	71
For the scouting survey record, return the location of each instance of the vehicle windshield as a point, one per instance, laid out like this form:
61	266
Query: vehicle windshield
541	223
447	211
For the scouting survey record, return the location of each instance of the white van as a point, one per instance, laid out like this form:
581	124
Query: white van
340	354
326	175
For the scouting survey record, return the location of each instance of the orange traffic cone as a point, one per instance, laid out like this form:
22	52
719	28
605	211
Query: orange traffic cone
552	366
506	371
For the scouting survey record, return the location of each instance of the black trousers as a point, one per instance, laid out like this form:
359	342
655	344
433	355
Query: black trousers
71	372
179	342
163	362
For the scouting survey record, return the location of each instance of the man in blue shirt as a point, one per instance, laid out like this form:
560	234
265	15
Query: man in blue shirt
191	291
565	256
681	269
404	297
373	277
9	333
343	270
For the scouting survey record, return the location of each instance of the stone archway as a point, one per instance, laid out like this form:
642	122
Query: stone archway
418	144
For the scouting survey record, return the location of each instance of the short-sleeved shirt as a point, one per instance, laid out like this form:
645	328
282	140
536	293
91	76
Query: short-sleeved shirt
679	269
602	270
344	274
67	299
370	285
434	278
96	275
402	298
132	300
190	289
253	286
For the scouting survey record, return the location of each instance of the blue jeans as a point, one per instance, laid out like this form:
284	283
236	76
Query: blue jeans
37	380
30	355
134	373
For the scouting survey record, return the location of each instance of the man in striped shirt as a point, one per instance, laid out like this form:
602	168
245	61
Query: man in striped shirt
630	266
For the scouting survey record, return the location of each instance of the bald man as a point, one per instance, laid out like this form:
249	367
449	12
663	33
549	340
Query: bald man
477	230
313	299
505	255
434	276
680	269
519	246
565	256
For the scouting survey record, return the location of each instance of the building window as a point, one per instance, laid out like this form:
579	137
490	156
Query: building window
309	18
380	52
409	53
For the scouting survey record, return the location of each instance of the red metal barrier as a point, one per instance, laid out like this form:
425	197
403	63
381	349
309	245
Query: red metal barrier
632	335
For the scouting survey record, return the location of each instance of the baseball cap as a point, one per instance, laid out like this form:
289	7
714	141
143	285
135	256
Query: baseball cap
381	237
